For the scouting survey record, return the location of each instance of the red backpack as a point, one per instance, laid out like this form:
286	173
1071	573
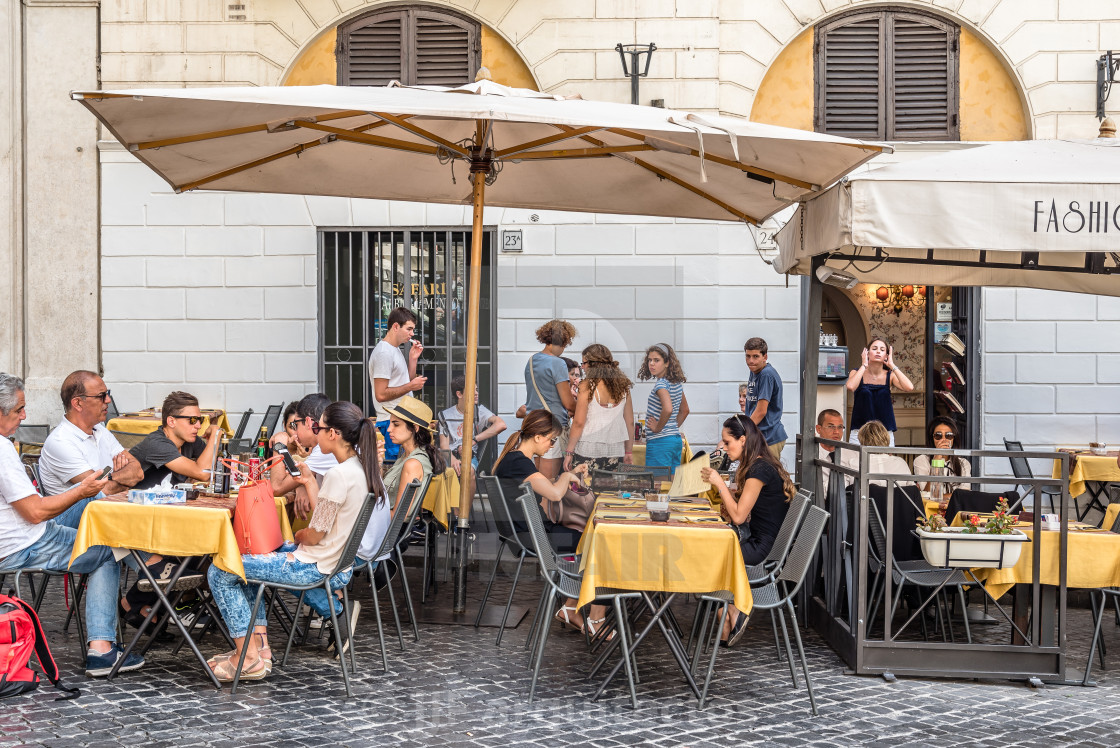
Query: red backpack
20	635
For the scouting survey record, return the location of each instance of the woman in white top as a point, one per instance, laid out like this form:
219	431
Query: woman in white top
875	434
602	432
941	433
344	432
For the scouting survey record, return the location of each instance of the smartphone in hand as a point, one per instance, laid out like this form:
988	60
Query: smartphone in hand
105	473
289	462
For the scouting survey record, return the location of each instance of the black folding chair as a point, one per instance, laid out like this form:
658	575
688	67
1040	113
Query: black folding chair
272	417
1021	469
519	543
238	443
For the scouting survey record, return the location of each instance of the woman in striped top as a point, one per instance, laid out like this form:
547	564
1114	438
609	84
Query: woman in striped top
667	407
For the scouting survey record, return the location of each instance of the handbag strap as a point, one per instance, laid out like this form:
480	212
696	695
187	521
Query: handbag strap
533	377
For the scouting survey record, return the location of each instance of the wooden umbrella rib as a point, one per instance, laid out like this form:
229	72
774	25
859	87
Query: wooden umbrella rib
420	131
730	162
358	137
571	153
505	152
294	150
229	132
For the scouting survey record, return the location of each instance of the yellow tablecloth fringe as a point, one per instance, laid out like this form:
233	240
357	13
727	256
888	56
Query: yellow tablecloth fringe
1088	468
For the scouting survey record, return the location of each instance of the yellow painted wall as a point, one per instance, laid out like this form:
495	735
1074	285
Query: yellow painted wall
317	63
786	95
990	107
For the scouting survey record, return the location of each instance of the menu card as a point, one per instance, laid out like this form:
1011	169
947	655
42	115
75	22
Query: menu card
687	480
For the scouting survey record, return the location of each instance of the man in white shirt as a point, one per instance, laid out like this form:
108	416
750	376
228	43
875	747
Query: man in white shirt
308	411
830	425
81	445
29	538
391	376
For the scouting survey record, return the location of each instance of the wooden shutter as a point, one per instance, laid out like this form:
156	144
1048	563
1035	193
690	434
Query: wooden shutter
888	75
850	72
414	45
924	77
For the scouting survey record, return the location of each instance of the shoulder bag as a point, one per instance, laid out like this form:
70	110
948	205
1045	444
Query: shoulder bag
574	508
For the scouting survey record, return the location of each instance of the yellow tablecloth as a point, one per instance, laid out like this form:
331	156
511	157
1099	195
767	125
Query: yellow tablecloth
137	424
168	529
1110	516
662	558
1089	467
443	495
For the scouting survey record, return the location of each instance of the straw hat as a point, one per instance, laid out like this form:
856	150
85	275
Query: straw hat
413	411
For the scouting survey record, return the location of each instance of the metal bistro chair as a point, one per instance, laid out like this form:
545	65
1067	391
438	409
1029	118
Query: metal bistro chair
272	417
237	442
633	482
777	595
1021	469
561	584
401	514
519	543
345	561
31	437
75	584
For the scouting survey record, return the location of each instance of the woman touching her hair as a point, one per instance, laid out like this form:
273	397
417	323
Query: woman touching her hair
871	386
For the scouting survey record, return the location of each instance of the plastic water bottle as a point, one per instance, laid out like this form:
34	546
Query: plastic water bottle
937	490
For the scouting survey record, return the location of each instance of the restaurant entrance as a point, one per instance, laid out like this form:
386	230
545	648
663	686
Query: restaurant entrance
366	273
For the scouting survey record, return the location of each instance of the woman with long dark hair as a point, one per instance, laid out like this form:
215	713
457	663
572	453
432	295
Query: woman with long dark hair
871	386
342	431
602	431
539	432
410	428
941	433
758	506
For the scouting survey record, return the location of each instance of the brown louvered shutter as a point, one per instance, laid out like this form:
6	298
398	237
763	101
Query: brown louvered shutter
850	70
924	66
888	75
414	45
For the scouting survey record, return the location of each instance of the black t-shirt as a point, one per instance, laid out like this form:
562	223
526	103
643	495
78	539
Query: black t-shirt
512	472
770	509
156	451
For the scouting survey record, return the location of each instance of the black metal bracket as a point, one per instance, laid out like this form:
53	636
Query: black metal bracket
630	67
1107	67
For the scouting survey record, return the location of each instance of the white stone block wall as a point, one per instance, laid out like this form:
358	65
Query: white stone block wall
215	293
1051	371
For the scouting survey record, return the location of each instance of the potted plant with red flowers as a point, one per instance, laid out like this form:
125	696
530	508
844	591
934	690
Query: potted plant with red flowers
982	541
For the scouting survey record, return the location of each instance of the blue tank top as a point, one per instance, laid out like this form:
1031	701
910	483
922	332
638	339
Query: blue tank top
873	403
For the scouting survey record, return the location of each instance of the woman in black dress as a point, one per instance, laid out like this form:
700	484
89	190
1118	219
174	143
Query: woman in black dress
758	506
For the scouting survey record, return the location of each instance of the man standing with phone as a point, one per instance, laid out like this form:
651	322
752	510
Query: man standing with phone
391	376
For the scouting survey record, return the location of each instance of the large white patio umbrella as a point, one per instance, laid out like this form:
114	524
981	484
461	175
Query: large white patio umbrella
522	149
1036	213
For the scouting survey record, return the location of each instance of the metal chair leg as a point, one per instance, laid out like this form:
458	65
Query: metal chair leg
509	602
1093	645
539	654
489	584
295	627
712	662
248	635
408	598
801	654
625	644
377	612
393	607
337	637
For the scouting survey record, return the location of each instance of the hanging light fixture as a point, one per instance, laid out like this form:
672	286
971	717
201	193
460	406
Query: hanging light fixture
897	298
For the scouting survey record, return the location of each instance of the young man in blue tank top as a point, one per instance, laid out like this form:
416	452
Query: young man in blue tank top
764	396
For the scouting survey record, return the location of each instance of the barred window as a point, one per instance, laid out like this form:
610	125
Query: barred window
888	75
414	45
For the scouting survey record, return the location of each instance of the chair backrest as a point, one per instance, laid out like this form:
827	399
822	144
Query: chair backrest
417	503
609	480
794	514
272	417
350	550
400	516
907	499
32	434
805	546
112	411
503	516
1020	468
127	439
242	424
964	500
659	472
546	554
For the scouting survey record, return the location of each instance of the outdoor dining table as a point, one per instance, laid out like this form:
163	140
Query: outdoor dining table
1089	472
695	551
201	527
147	421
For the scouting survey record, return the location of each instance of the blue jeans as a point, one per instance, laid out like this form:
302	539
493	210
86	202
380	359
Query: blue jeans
73	516
392	449
235	598
52	551
664	452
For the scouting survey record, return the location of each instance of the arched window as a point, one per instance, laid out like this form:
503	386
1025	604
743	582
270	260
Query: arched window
888	75
415	45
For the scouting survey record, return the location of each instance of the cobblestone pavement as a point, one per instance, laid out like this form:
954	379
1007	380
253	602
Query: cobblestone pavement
456	688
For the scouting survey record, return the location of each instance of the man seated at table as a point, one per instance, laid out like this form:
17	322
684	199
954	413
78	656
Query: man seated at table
175	453
830	425
31	539
81	445
308	412
486	426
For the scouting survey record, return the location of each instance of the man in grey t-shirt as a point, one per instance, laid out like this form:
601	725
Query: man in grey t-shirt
391	376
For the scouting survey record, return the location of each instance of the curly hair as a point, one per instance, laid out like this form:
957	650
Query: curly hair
601	367
557	332
674	373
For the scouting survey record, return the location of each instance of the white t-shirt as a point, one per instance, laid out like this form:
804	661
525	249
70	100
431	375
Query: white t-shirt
16	533
69	452
320	463
387	362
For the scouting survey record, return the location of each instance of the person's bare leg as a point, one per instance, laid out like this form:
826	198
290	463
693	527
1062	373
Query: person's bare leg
732	616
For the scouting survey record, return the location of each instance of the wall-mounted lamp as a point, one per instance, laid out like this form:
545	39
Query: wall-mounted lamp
631	67
1107	67
897	298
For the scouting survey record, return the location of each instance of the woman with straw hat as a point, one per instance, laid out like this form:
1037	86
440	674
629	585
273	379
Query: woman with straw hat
410	428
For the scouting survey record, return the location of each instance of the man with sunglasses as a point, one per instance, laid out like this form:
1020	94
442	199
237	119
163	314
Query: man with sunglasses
176	451
81	445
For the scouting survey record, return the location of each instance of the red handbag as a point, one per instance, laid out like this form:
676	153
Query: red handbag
255	521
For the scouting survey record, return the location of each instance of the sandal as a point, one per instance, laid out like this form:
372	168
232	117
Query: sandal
264	653
737	630
563	619
591	628
224	670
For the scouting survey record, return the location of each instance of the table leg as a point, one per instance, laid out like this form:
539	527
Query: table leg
163	603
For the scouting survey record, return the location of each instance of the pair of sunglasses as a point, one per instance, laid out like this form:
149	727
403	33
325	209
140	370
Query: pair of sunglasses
192	420
944	435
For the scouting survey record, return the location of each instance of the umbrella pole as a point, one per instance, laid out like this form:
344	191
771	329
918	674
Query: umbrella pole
480	168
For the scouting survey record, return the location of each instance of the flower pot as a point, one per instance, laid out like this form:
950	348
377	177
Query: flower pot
957	549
